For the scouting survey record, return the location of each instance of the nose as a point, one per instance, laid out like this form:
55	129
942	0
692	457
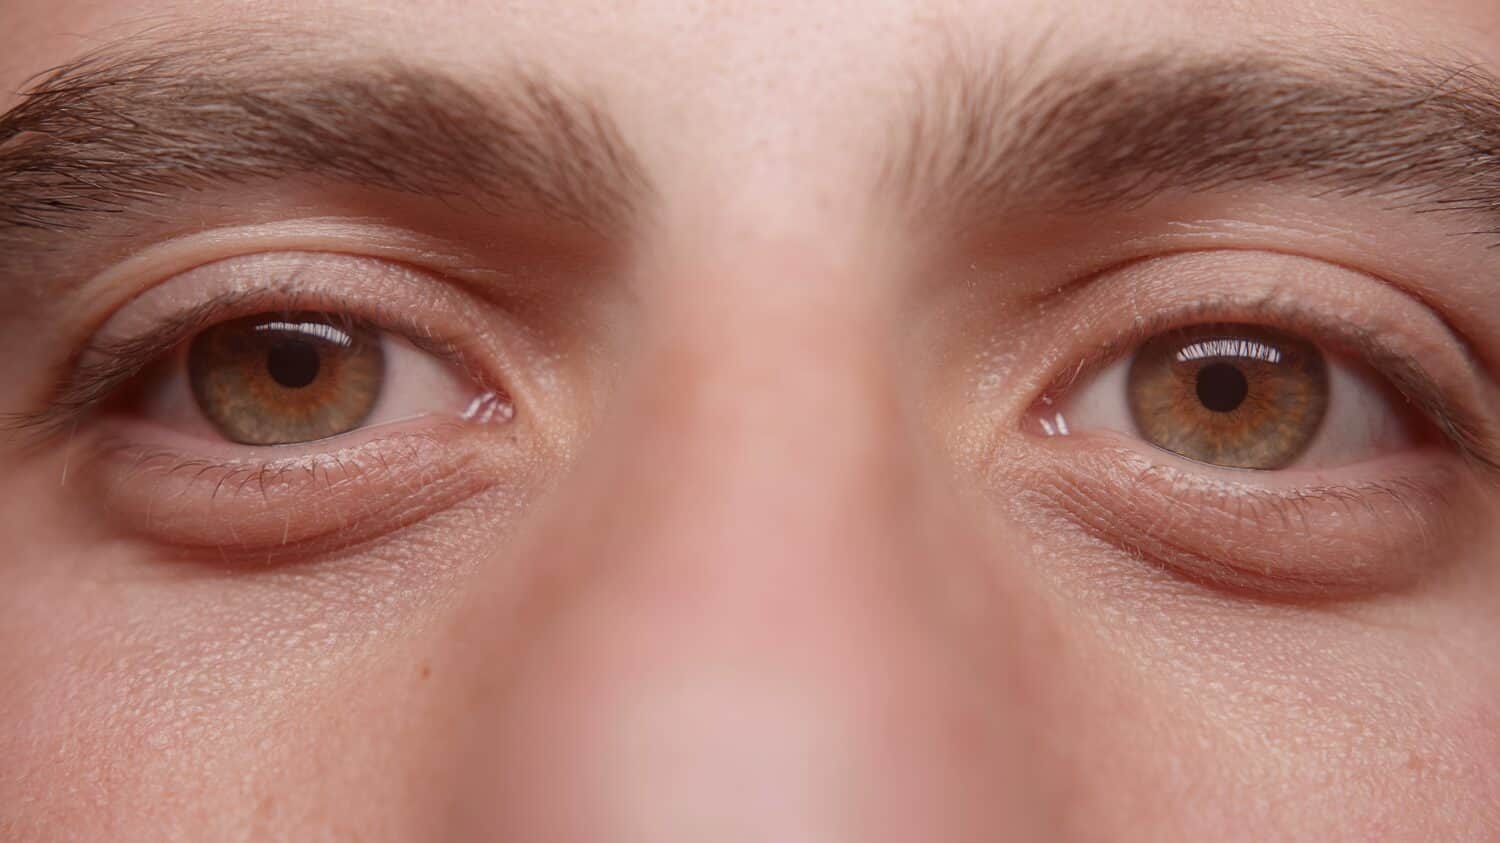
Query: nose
755	611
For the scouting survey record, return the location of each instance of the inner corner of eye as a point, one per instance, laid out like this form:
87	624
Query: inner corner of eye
1094	401
489	407
1048	415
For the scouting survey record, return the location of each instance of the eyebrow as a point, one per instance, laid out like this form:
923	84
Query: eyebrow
135	125
1422	134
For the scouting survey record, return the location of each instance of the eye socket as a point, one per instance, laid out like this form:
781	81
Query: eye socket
280	406
1238	396
286	378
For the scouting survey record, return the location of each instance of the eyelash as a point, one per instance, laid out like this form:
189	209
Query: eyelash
100	371
1464	429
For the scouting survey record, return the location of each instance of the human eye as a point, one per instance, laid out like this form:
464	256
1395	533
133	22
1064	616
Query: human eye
296	377
1270	424
282	404
1241	395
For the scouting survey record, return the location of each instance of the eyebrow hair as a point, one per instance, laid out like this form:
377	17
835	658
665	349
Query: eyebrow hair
136	124
1088	136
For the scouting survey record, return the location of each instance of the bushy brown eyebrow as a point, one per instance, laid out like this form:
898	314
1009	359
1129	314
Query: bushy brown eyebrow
1102	133
134	125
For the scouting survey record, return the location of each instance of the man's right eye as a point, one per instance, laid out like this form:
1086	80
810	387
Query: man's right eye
296	377
288	378
303	397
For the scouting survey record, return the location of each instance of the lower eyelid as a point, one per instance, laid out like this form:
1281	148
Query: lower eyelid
295	506
1377	533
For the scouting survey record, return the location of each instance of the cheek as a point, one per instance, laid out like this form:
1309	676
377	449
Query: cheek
144	694
1216	713
1464	754
211	722
1476	730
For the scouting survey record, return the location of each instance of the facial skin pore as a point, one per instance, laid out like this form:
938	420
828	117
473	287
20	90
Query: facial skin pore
718	491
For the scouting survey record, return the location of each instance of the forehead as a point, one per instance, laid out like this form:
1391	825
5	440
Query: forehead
767	102
810	55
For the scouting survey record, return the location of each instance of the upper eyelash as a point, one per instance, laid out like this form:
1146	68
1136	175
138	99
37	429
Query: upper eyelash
98	371
1475	437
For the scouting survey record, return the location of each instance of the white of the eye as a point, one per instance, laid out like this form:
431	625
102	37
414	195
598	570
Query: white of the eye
1360	421
1098	404
418	384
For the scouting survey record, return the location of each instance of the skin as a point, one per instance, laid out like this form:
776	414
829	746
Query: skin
767	554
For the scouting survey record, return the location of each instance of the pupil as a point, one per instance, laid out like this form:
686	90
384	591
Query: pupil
1222	387
293	363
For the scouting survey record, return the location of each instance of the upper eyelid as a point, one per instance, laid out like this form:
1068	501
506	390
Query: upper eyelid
315	239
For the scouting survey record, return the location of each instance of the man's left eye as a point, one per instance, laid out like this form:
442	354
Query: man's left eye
1239	396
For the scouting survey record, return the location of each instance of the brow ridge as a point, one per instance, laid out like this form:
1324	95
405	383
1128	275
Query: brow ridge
133	125
1089	135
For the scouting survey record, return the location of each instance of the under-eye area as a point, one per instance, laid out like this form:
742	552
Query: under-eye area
1384	527
288	505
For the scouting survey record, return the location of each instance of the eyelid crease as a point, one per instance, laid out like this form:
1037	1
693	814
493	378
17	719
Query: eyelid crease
98	371
1476	438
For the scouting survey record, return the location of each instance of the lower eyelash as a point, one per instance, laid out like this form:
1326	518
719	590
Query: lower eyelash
293	507
1317	541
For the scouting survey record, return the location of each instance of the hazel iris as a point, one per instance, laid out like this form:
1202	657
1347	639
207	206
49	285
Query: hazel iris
1240	396
286	378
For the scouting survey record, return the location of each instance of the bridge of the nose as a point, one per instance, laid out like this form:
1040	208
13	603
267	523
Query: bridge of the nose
742	612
